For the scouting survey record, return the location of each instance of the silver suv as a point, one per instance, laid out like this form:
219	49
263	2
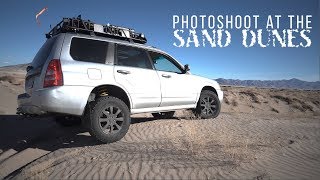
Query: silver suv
102	74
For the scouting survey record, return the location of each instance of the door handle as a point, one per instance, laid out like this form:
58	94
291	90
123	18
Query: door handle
166	76
123	71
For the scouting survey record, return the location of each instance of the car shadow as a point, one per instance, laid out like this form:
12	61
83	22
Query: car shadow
19	133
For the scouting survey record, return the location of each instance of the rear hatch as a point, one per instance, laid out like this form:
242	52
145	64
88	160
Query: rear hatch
33	76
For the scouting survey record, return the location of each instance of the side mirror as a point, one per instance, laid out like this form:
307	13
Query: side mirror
186	68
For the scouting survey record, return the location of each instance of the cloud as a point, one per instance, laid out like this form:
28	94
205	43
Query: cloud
4	62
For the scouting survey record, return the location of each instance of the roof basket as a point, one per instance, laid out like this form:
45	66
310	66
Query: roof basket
88	27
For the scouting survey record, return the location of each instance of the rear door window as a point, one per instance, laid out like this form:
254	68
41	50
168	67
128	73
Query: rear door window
88	50
133	57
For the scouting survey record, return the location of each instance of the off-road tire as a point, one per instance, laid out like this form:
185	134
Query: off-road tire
85	118
109	119
163	115
208	106
67	121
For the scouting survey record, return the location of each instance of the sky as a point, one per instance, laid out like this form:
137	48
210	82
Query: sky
21	37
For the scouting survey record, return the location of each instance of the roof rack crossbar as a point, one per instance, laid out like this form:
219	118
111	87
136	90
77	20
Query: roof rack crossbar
88	27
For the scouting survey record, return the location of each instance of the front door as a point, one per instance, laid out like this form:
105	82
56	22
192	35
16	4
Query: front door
177	87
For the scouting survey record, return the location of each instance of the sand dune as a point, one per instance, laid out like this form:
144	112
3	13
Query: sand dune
260	134
271	101
230	147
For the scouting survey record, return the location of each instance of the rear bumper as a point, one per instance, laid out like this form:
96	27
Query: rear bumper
25	105
63	99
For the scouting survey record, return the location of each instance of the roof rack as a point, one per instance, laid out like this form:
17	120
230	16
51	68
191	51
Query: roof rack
88	27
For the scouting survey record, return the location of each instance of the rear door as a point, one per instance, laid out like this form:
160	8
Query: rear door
133	71
47	51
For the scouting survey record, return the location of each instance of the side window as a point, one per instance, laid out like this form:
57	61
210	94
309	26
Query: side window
164	63
88	50
133	57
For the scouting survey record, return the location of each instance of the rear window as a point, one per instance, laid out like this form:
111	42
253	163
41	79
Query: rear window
88	50
43	53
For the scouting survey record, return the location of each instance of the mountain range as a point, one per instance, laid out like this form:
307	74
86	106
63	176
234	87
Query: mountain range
283	84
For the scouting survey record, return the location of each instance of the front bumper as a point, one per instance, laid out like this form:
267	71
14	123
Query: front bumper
220	94
62	99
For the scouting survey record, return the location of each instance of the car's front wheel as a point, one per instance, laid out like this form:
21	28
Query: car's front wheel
208	105
109	119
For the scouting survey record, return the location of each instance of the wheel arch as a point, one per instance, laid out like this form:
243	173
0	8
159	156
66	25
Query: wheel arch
209	88
110	90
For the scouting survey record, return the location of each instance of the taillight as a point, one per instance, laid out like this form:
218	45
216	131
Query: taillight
53	75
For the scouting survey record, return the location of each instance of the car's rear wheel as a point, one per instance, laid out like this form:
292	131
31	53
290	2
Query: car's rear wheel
163	115
208	105
67	121
109	119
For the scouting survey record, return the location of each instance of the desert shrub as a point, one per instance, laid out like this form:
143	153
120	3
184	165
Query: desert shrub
296	106
274	110
189	115
234	103
307	107
7	78
254	98
317	103
225	99
304	105
282	98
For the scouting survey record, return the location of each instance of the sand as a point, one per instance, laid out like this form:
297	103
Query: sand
260	134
